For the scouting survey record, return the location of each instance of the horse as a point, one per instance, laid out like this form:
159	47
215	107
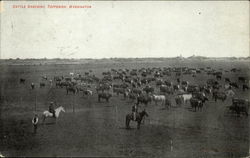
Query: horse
57	112
139	118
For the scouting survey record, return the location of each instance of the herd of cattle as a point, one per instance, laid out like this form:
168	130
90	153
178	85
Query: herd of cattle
147	85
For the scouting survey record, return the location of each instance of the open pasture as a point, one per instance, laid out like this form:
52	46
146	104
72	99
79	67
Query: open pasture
92	128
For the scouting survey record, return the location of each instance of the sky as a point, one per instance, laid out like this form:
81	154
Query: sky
125	29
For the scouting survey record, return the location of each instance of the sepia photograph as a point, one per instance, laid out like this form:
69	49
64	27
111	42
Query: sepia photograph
157	79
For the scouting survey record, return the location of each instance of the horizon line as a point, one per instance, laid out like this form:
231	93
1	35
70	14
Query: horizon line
45	58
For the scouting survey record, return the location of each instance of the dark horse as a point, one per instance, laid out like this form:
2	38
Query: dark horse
139	118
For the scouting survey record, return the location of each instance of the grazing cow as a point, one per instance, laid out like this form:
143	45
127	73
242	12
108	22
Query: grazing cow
71	89
144	81
240	105
87	92
196	103
244	87
42	85
167	83
132	96
186	97
144	100
166	89
105	96
176	87
178	100
242	79
136	91
148	89
159	98
103	87
219	95
234	84
159	82
201	96
119	91
22	81
184	83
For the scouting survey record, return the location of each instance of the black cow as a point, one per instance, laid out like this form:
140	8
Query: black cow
196	103
22	81
244	87
105	96
42	84
234	84
242	79
144	100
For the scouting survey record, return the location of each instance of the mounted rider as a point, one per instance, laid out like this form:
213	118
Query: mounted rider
52	109
134	111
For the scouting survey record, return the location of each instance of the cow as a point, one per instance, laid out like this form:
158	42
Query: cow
144	99
186	97
242	79
42	84
71	89
87	92
103	87
219	95
240	105
104	95
176	87
119	91
218	77
166	89
196	103
245	86
234	84
159	98
148	89
22	81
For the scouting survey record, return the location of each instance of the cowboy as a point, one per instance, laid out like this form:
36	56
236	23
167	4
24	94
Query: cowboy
52	109
35	122
134	111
